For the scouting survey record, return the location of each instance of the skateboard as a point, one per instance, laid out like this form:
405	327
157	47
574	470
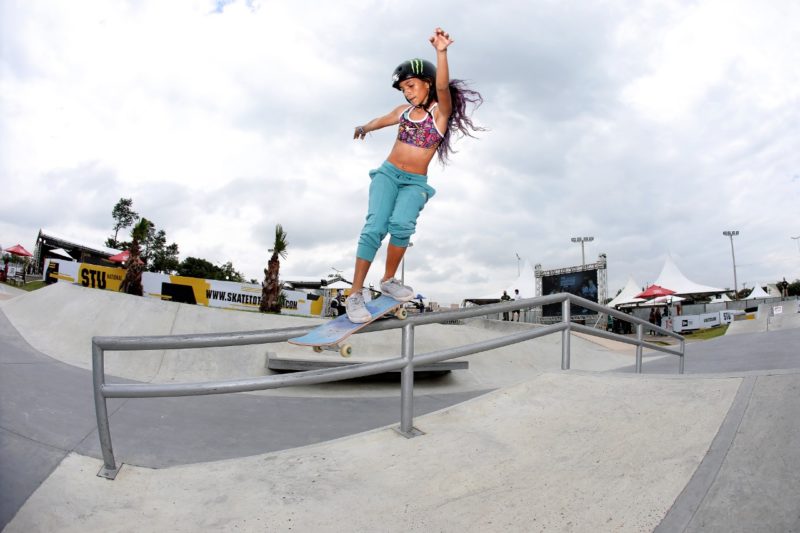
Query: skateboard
329	336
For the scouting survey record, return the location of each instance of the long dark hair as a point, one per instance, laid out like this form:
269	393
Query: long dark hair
460	121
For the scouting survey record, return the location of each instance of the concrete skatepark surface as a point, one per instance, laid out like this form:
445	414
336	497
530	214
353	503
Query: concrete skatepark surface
512	444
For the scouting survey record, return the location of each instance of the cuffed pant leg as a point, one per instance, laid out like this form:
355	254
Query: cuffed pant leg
403	221
383	193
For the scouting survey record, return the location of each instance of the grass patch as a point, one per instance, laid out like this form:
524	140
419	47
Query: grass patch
32	286
705	334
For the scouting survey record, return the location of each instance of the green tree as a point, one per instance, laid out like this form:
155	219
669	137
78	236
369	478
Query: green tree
132	284
123	216
794	288
229	273
165	259
271	288
194	267
162	257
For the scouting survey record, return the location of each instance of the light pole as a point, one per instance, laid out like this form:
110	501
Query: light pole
797	240
733	234
518	259
403	265
582	240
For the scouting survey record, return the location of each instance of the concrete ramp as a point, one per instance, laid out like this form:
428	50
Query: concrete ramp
784	321
560	452
781	315
753	325
60	321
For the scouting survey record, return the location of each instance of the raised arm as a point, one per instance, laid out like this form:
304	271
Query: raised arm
440	41
389	119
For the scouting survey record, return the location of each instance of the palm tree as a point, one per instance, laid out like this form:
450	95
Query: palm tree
132	284
271	288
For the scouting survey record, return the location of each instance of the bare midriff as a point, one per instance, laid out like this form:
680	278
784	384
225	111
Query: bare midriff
411	158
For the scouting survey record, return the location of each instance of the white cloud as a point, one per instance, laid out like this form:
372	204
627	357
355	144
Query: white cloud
651	126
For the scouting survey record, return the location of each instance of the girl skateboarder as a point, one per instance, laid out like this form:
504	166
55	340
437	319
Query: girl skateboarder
399	188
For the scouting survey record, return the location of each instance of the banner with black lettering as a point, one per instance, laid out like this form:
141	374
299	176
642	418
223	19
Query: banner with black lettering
207	292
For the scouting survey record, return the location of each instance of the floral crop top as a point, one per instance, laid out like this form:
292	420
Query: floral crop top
421	133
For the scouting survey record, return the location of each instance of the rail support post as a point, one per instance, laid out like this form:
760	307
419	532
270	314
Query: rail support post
565	334
110	469
407	428
639	340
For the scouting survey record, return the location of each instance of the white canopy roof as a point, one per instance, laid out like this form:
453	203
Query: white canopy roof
78	242
627	296
525	282
672	278
757	292
721	299
61	253
338	284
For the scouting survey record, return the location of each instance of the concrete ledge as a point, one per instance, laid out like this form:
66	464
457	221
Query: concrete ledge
284	364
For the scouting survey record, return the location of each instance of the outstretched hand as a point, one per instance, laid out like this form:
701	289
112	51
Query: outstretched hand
440	40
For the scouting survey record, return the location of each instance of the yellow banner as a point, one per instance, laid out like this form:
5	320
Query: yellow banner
100	277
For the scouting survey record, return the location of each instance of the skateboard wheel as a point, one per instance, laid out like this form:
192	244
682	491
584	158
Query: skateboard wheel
346	350
317	349
402	314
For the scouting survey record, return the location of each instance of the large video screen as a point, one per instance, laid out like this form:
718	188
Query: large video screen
583	284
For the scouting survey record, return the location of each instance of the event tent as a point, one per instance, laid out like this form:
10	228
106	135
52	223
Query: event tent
757	292
525	282
60	252
628	294
721	299
672	278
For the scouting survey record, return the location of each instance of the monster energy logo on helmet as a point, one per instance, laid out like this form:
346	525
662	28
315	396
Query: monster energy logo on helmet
413	68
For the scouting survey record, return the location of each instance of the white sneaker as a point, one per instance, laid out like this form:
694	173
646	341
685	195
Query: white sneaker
356	309
393	288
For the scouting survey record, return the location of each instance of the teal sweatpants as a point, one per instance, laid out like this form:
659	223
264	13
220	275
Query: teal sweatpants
395	201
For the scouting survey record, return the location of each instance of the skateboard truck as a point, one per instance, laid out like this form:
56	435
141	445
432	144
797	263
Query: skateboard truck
345	350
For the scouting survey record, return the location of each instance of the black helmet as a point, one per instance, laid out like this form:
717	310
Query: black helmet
413	68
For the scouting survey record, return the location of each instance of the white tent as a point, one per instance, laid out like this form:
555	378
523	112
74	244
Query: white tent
628	294
525	282
672	278
757	292
61	253
338	284
721	299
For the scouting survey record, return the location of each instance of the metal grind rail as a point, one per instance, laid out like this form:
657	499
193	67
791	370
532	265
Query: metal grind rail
405	362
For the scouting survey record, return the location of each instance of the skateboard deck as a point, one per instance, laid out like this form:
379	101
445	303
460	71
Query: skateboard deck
329	335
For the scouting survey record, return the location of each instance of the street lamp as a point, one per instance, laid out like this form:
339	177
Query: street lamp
518	259
733	234
582	240
403	265
797	240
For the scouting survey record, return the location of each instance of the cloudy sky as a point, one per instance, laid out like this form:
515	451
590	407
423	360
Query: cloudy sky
650	125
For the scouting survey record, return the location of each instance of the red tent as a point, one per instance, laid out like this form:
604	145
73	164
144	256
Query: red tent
18	250
123	257
120	257
654	290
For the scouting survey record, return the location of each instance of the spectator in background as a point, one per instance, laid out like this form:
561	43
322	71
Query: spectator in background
658	319
505	298
516	311
652	319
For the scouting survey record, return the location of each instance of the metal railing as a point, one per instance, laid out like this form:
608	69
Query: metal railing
405	363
